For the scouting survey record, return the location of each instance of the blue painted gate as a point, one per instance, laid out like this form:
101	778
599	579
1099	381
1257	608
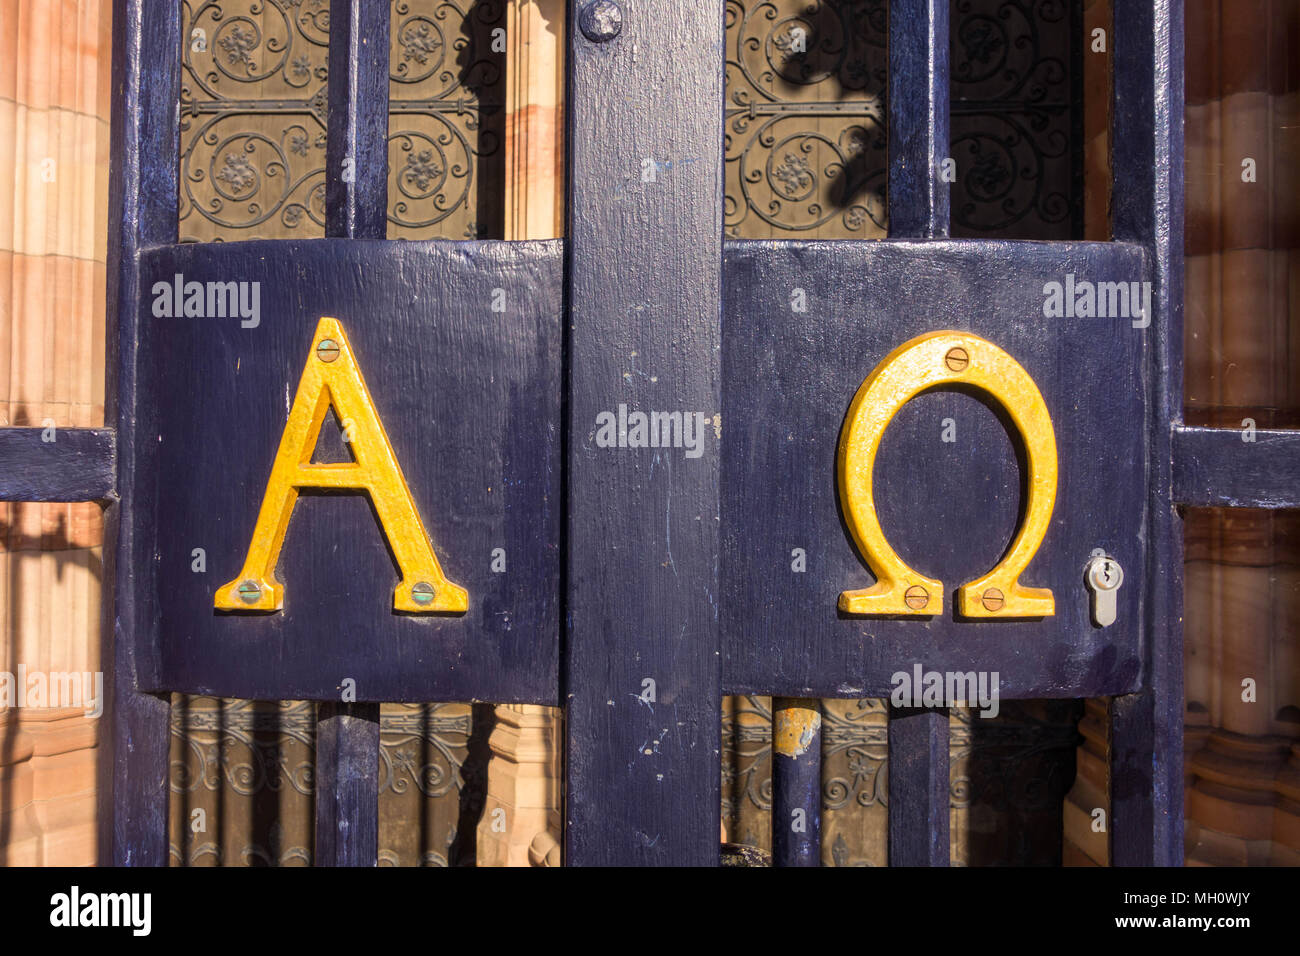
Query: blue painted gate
645	580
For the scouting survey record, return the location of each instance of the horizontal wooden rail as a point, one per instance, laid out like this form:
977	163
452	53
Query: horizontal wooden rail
57	464
1236	468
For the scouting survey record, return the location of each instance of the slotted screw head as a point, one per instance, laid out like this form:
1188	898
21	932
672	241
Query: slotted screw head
601	21
916	597
250	592
993	600
422	592
328	350
957	359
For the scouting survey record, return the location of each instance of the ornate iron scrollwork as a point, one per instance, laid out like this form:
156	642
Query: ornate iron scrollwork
248	767
445	119
253	119
1016	118
805	127
254	109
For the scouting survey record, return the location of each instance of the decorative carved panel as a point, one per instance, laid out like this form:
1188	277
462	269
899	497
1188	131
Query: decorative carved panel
254	110
805	119
446	116
1017	114
243	780
253	113
1009	776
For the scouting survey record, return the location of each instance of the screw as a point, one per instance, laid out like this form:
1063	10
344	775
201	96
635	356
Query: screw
328	350
916	597
957	358
601	21
992	600
422	592
250	592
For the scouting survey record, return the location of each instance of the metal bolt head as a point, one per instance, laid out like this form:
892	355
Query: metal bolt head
250	592
957	359
916	597
327	350
601	21
993	600
422	592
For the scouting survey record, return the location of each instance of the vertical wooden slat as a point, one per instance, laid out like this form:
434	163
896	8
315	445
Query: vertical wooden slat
644	290
142	205
918	787
356	203
918	209
347	774
796	781
1146	734
918	118
356	136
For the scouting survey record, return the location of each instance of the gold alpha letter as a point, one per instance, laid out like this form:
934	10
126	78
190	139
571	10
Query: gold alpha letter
332	378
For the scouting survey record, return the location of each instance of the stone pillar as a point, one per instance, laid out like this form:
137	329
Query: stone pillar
534	119
1087	842
522	811
54	108
1242	586
20	830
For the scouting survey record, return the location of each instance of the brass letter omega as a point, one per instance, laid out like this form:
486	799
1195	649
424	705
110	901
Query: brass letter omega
945	358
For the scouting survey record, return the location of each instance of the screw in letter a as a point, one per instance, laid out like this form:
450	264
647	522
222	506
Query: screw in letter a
333	379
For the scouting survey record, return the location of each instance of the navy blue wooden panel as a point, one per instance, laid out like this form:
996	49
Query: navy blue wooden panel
470	399
67	464
131	785
1146	825
644	268
918	787
1218	468
347	780
950	509
356	207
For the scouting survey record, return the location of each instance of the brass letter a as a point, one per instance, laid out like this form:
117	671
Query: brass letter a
332	378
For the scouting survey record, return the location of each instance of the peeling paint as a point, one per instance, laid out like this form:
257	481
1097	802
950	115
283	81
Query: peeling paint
795	726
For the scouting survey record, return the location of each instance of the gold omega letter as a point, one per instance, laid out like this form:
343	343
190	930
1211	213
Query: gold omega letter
945	358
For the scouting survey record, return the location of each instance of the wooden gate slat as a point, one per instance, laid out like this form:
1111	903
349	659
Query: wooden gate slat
143	198
356	135
1146	825
919	208
71	464
1219	467
918	118
918	787
347	773
644	124
796	781
356	207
